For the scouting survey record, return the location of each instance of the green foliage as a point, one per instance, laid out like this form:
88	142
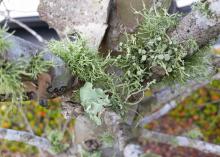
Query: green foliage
42	120
55	137
202	108
93	100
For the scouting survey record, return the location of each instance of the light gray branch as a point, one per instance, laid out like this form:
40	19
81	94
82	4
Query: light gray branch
181	141
26	137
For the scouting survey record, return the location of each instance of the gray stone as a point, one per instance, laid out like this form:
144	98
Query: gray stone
87	17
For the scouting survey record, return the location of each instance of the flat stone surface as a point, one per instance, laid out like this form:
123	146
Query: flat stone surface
88	17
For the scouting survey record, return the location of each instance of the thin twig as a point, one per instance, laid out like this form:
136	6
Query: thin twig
8	17
156	115
34	33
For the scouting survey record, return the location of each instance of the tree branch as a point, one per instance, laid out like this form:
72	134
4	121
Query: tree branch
22	25
26	137
34	33
169	98
180	141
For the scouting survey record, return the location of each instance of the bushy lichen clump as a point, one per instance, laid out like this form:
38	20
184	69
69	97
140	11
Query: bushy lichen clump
4	44
10	76
84	62
158	55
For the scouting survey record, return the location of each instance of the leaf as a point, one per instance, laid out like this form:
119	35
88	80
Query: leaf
93	100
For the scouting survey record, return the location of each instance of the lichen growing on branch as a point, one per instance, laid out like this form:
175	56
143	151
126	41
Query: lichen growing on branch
149	54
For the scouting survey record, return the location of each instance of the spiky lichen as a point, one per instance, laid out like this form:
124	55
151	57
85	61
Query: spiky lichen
10	80
4	44
11	72
84	62
87	65
103	72
38	65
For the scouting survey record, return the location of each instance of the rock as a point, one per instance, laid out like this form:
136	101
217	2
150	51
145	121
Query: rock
62	79
87	17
